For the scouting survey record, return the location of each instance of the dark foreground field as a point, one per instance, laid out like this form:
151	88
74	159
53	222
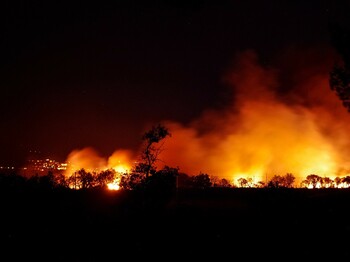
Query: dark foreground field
215	224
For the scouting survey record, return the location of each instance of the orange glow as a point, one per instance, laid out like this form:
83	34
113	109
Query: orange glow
120	161
263	132
114	185
87	158
91	161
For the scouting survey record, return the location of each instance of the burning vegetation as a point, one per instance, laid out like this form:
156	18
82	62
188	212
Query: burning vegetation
275	127
266	132
281	128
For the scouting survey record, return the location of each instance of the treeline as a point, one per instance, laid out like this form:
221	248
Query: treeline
145	175
167	179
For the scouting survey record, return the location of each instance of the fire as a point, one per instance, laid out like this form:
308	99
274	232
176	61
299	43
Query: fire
265	132
89	159
120	161
273	126
114	185
86	158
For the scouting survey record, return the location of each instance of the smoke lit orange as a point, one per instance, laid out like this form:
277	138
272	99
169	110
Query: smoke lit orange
263	132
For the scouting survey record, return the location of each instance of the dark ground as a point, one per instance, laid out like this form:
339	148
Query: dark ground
220	224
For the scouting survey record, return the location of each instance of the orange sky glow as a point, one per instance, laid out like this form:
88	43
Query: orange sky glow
263	132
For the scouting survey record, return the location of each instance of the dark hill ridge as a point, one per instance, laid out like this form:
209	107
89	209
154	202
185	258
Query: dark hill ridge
218	223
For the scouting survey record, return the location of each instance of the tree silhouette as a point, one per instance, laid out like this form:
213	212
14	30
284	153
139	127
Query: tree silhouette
132	181
140	173
60	181
275	182
289	180
104	177
224	183
184	180
201	181
163	181
337	181
151	151
245	182
327	182
81	179
346	180
313	181
282	181
339	77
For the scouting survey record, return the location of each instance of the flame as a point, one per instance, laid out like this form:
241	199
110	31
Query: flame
265	132
89	159
120	162
278	122
114	185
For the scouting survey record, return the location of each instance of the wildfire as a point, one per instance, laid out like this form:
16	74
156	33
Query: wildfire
88	159
263	132
114	185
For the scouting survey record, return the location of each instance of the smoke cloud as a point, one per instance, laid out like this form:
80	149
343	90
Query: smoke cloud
279	120
268	129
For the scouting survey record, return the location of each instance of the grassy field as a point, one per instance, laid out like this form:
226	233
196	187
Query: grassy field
218	223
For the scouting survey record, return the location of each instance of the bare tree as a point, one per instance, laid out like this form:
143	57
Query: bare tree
151	149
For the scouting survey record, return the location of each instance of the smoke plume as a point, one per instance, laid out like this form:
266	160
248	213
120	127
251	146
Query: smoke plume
270	127
279	120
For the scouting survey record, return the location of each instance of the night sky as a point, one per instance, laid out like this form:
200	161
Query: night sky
77	74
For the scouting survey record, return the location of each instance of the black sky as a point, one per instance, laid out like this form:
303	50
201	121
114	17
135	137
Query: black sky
77	73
